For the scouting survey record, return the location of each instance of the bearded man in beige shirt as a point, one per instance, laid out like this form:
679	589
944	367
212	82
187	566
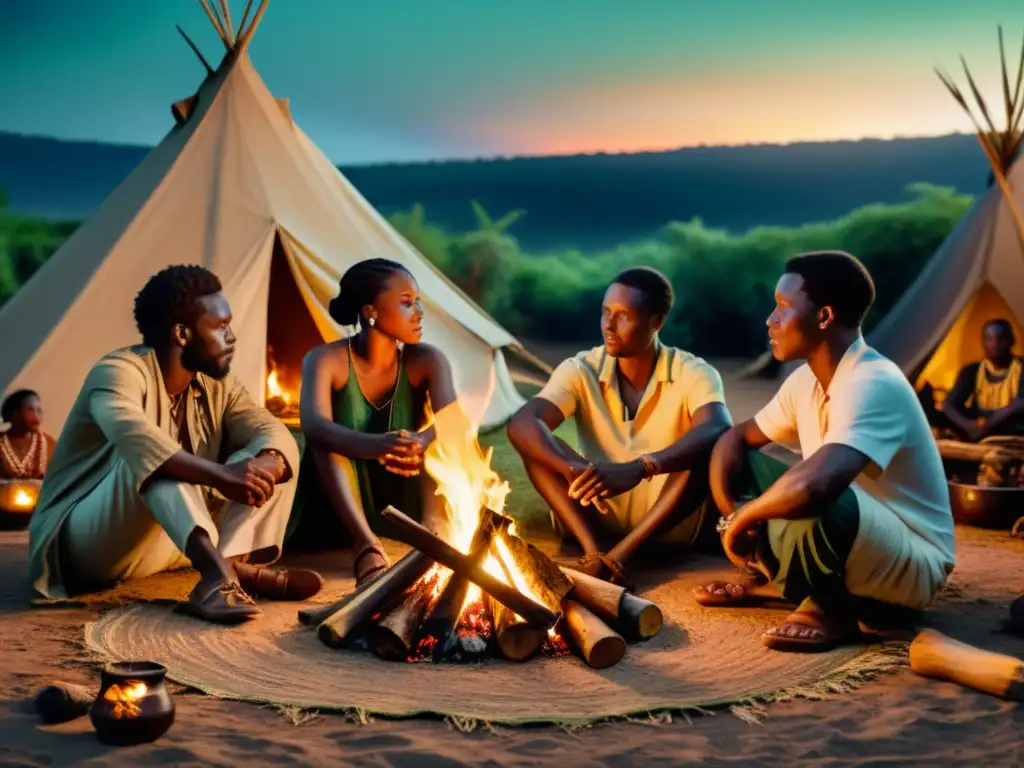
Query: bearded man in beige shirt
165	461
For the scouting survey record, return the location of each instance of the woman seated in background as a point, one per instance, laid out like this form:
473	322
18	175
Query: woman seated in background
365	409
25	449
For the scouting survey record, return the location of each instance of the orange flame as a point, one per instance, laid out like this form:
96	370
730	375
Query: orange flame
464	477
125	699
274	388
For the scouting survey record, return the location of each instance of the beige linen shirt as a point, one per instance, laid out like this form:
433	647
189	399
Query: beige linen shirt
904	550
122	414
586	388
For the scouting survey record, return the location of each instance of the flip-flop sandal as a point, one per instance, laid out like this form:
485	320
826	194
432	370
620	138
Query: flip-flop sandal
362	576
225	603
285	584
825	641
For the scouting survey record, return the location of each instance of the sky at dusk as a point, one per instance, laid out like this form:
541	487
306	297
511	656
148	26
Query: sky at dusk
398	80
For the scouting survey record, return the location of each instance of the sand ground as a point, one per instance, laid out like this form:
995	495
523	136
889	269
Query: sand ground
897	719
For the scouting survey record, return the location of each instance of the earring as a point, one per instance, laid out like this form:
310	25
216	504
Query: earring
372	322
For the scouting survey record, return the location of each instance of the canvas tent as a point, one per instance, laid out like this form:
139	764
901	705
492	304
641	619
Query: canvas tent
237	187
977	275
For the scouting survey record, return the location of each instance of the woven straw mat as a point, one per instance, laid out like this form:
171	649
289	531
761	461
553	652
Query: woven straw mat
701	658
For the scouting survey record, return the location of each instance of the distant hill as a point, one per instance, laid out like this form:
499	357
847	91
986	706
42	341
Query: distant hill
586	201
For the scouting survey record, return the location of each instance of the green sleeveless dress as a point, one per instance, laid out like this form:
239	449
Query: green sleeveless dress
313	523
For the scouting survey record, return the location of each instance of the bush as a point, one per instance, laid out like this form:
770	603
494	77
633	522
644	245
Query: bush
724	282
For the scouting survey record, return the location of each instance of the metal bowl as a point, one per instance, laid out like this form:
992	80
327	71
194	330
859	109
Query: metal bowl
986	507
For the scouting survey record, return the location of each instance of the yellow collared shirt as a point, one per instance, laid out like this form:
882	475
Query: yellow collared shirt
585	388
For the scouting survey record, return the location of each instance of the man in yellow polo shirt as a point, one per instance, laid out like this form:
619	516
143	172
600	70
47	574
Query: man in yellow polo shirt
647	415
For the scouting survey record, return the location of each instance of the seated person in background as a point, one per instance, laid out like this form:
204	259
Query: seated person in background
365	408
137	484
25	450
865	513
647	416
988	397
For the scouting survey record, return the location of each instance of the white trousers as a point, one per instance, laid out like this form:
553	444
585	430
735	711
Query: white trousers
115	533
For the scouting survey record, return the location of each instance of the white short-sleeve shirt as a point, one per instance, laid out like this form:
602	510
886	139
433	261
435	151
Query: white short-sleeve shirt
904	550
585	388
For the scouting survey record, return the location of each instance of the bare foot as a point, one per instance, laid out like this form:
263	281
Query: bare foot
716	594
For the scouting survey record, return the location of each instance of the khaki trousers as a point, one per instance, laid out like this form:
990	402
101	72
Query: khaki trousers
115	534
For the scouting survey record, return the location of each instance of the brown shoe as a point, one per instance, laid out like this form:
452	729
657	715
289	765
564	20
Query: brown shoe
285	584
225	603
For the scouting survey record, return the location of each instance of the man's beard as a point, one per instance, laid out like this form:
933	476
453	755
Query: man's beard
195	359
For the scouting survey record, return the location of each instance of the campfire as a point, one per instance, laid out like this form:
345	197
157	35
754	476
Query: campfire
280	398
476	589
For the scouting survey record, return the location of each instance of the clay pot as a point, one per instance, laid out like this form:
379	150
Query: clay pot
133	705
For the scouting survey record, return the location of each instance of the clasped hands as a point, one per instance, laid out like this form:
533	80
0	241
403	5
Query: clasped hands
251	481
591	483
401	452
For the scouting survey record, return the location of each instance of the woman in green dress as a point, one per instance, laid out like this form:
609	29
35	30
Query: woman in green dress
365	408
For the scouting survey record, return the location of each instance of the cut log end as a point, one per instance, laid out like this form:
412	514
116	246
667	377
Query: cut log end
518	642
642	617
934	655
387	645
599	644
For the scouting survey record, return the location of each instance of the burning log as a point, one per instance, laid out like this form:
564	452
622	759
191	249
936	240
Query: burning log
540	576
442	552
599	644
932	654
392	638
632	616
440	628
353	610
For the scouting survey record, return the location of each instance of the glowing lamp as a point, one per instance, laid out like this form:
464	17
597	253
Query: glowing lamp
133	705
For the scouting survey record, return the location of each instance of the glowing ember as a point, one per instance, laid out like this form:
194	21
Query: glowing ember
125	699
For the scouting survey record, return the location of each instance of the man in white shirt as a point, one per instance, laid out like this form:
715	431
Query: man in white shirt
866	512
647	416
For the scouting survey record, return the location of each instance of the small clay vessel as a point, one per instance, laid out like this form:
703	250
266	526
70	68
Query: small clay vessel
133	705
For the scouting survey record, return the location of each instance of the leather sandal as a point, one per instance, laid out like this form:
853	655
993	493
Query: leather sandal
224	603
293	584
598	564
372	548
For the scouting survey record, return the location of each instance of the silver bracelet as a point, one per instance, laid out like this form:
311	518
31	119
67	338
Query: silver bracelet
723	524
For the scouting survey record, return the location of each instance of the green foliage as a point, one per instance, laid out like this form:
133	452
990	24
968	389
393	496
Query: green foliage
723	281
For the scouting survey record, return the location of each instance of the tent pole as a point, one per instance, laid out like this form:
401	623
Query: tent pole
228	28
209	69
216	23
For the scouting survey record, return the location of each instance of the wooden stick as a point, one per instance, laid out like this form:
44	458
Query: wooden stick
958	451
195	50
228	27
598	643
392	637
336	628
628	614
314	617
516	640
241	24
216	24
244	43
932	654
442	552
